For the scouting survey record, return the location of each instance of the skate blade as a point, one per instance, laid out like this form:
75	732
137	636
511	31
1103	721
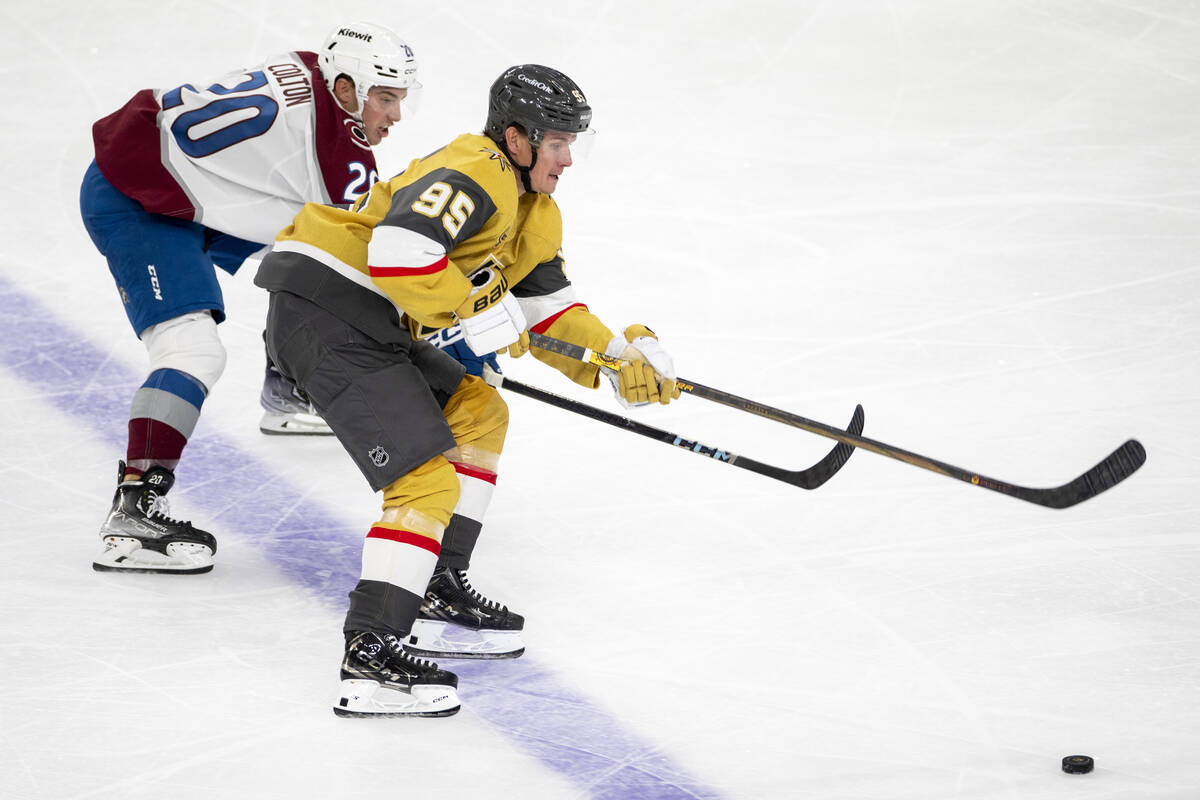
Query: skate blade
296	424
446	640
364	698
124	554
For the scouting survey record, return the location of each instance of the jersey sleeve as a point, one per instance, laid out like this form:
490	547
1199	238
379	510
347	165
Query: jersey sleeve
240	154
127	144
549	303
409	255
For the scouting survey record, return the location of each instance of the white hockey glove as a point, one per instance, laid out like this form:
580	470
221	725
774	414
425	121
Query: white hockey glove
490	317
649	375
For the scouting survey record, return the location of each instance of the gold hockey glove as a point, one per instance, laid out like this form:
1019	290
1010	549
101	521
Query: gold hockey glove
650	375
636	384
518	348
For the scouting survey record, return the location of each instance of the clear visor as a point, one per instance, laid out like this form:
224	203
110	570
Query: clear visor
395	101
568	147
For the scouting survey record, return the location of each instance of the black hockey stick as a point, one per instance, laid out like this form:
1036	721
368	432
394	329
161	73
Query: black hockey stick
809	478
1116	467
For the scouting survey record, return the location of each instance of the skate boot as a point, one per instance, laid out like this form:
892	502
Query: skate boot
379	679
455	621
287	410
139	536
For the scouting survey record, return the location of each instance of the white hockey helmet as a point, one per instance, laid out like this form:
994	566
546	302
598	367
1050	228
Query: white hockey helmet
371	55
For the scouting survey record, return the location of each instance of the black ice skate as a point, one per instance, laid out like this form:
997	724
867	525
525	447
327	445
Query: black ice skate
456	621
287	411
379	679
139	536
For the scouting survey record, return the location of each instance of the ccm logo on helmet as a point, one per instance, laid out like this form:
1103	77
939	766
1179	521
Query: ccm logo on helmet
366	37
523	77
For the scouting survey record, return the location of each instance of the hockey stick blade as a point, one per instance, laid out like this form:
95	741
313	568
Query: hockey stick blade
809	478
1119	465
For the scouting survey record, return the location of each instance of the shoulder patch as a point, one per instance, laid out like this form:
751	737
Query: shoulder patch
494	155
357	134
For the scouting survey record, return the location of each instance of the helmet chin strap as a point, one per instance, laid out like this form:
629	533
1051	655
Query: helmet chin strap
356	115
359	95
525	171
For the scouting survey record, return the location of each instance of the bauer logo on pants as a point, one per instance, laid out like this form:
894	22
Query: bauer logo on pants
378	455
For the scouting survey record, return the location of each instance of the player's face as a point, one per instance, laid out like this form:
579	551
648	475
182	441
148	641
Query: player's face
553	156
381	111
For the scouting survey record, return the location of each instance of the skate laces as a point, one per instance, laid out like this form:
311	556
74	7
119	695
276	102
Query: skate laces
474	594
300	395
397	651
158	508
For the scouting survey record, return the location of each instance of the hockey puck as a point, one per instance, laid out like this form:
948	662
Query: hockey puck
1078	765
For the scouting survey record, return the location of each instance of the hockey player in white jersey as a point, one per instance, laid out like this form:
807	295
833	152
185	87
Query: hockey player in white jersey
201	176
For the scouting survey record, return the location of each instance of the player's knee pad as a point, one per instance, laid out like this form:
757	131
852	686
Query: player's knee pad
431	489
188	343
410	519
478	417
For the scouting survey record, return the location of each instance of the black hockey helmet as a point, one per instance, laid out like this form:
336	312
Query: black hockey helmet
536	99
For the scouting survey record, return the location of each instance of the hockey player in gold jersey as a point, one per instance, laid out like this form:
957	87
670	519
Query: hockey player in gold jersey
468	236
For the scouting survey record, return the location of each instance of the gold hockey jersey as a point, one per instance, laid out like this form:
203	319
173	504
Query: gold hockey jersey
401	254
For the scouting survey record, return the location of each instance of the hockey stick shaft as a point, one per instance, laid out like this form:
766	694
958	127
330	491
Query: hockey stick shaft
1113	469
810	478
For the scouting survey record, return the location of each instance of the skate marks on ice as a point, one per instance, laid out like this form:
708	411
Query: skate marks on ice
523	700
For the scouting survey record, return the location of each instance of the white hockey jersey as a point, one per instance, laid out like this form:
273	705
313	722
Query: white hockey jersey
241	155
